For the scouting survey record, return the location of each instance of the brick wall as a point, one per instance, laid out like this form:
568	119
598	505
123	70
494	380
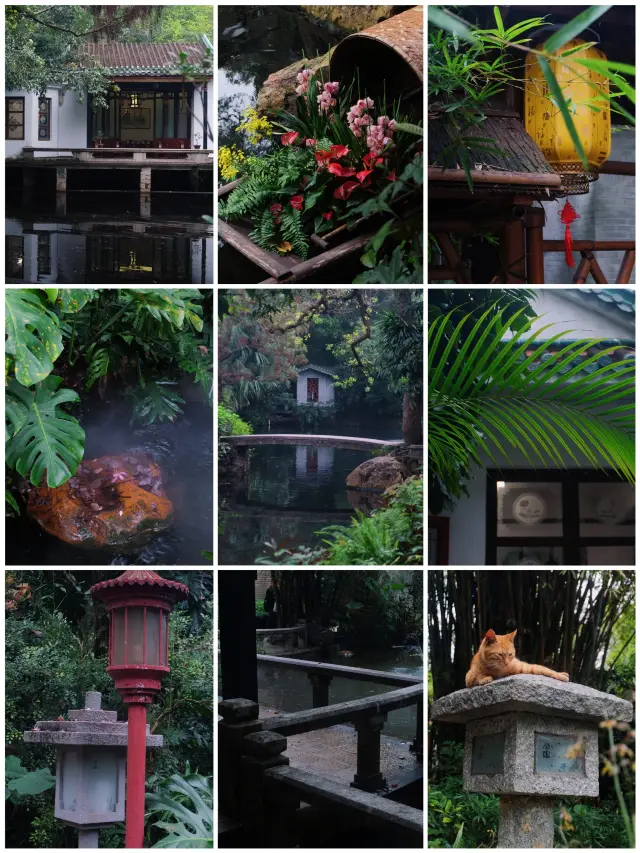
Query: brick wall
264	579
607	213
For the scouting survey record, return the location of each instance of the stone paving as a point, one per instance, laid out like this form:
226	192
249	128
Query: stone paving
333	752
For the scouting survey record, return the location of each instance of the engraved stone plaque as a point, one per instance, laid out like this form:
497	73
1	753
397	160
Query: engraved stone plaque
559	754
487	755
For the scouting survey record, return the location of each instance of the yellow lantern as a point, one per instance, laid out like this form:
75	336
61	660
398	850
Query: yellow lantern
546	126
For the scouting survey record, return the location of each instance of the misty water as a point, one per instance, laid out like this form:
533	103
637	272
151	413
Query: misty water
290	690
293	492
184	452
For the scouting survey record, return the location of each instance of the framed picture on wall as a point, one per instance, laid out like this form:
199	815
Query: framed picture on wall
136	119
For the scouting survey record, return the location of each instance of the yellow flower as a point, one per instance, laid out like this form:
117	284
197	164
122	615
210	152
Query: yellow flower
230	162
254	126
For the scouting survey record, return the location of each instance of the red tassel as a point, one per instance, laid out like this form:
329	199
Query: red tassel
567	216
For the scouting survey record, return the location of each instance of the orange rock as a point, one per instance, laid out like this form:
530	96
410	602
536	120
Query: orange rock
105	505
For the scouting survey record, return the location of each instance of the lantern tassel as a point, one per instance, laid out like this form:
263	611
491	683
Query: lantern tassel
567	216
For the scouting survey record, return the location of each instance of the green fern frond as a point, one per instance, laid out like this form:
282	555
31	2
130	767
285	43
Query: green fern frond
291	227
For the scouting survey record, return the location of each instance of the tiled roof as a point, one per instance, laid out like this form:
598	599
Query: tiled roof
621	357
622	299
135	60
318	368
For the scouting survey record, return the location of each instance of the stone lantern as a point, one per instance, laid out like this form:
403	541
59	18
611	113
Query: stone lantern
90	766
530	739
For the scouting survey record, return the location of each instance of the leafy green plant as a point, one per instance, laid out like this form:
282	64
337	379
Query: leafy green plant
229	423
22	782
43	439
33	335
184	806
490	396
154	401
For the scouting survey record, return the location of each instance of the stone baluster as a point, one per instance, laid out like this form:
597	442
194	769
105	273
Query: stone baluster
320	682
239	718
267	821
368	776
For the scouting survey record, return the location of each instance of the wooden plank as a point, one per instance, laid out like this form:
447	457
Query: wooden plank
480	176
300	722
617	167
307	268
593	245
353	673
273	264
369	808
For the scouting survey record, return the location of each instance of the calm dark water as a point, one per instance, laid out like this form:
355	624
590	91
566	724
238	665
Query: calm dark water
109	238
184	451
292	492
290	690
254	42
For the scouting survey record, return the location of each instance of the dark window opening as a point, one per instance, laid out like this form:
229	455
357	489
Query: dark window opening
312	390
14	257
44	119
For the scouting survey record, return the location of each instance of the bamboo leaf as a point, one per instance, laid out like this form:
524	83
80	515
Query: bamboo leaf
603	65
456	26
562	105
574	27
498	17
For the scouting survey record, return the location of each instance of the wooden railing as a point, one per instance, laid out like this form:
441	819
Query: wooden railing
143	156
251	750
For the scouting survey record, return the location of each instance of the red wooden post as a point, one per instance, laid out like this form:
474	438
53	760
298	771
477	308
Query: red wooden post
136	773
139	603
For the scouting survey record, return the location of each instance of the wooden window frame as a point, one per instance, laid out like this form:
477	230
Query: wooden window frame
310	381
48	138
441	525
570	542
6	118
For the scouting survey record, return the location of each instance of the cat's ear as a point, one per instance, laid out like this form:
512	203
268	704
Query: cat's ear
490	636
512	635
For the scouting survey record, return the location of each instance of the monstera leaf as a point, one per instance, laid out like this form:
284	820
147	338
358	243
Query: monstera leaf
153	401
43	439
174	306
72	300
33	335
188	827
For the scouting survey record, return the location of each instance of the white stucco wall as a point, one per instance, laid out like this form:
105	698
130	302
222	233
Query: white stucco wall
196	121
325	387
467	534
68	122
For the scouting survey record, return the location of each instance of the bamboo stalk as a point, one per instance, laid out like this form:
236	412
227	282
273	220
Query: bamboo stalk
537	179
626	267
593	245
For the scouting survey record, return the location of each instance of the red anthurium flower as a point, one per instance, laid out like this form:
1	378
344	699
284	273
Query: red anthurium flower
391	176
364	174
340	171
296	201
345	190
275	208
369	160
327	215
289	138
322	156
339	151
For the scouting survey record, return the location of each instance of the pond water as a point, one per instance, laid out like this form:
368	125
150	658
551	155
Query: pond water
184	451
292	492
290	690
109	238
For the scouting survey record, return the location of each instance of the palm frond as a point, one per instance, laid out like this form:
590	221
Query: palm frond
493	395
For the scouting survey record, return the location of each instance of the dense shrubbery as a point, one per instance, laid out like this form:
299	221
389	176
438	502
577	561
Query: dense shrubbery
56	645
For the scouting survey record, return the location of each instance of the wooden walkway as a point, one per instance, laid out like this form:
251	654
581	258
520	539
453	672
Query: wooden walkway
343	442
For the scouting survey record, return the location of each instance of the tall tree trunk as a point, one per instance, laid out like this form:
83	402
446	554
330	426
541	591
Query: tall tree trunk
411	419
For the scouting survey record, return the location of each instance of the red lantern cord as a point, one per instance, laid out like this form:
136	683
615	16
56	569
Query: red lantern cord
567	216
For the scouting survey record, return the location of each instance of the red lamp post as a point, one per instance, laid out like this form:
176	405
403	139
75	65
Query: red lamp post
139	602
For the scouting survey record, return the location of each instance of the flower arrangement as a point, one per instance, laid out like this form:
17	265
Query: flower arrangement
337	152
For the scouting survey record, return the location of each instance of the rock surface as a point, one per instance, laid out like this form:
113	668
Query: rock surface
377	474
112	502
352	18
534	693
279	89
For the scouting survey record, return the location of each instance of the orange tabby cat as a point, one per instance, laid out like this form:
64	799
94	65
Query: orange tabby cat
496	658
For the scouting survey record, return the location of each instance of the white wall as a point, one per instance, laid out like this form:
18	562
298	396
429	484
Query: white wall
196	119
578	315
68	123
325	387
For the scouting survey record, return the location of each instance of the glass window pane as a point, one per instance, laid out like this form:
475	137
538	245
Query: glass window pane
101	780
516	555
118	637
608	555
529	509
135	624
152	651
607	509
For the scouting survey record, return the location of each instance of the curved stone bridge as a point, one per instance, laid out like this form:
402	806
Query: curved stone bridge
342	442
